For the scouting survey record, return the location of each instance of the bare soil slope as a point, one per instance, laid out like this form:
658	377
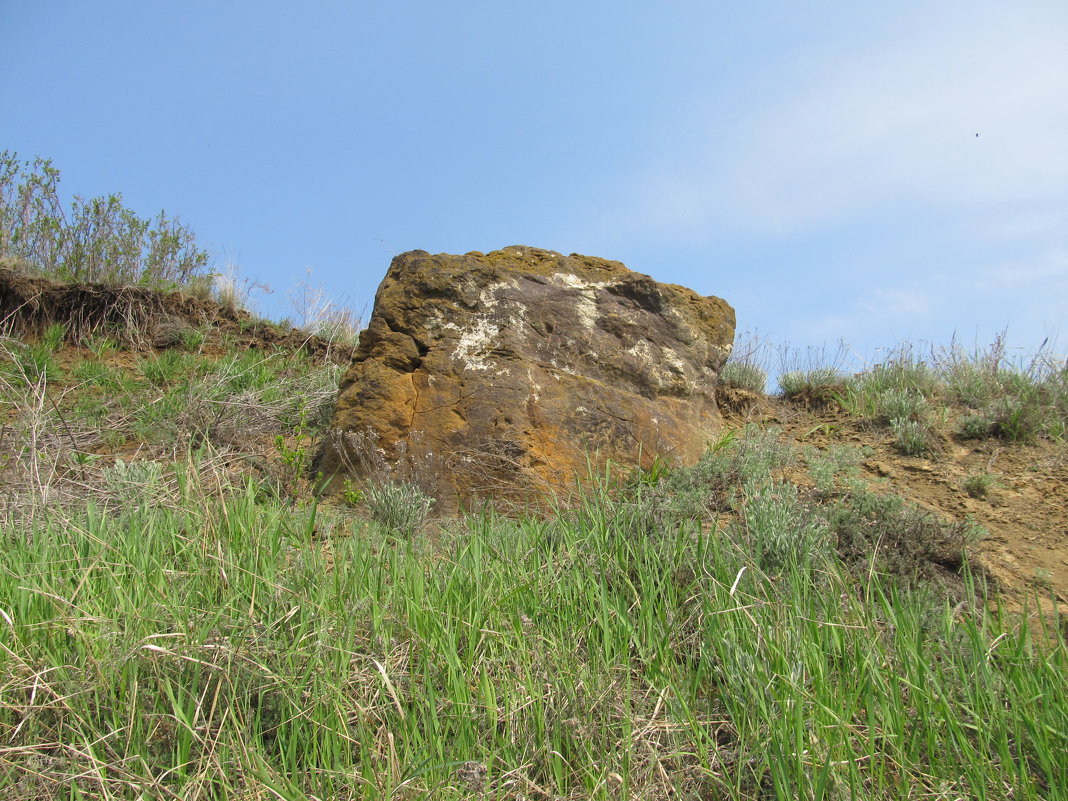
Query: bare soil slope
1024	511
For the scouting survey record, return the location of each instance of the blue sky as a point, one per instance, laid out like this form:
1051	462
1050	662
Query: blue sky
814	163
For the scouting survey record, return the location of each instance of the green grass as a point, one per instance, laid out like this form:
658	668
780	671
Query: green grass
172	627
169	642
743	376
985	394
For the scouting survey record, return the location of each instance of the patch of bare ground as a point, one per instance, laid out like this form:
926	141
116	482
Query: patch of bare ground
1018	493
143	319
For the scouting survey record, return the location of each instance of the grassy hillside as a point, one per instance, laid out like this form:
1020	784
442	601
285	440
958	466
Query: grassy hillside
180	617
856	593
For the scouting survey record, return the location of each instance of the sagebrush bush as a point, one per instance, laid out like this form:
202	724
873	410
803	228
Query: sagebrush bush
803	382
397	505
136	482
827	468
783	532
912	437
884	533
978	485
744	376
901	404
975	426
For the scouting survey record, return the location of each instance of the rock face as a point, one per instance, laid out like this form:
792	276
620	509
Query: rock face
505	374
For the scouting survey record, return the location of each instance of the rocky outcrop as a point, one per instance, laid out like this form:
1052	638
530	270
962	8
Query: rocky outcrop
504	374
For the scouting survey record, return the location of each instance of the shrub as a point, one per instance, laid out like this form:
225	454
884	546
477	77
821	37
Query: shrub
884	534
95	240
912	437
975	426
744	376
133	483
901	404
803	382
827	467
978	485
397	506
782	530
1020	417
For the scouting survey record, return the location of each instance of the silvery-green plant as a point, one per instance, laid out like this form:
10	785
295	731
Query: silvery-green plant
905	404
781	529
398	506
134	482
743	376
911	437
798	382
828	467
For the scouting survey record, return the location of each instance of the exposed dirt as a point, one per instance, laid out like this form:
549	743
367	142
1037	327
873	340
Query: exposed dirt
140	318
1024	511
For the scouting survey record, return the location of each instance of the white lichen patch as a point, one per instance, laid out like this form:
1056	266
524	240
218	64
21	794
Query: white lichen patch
475	343
561	368
586	300
672	358
535	387
488	297
639	350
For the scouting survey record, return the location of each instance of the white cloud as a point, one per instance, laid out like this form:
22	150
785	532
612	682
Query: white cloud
892	123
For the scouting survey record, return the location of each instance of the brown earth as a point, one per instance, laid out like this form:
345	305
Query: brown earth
138	317
1025	512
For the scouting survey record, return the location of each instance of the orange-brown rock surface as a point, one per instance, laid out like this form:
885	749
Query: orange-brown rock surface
505	373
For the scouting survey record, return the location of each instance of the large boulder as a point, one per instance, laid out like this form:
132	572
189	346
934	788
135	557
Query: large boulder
510	374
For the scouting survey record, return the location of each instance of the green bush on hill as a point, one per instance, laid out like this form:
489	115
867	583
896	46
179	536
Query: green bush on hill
95	240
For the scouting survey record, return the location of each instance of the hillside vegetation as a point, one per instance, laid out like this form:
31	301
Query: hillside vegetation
856	593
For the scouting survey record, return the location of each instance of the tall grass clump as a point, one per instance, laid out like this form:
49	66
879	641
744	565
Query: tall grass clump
746	368
1016	399
398	506
318	315
812	375
817	381
95	240
743	376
